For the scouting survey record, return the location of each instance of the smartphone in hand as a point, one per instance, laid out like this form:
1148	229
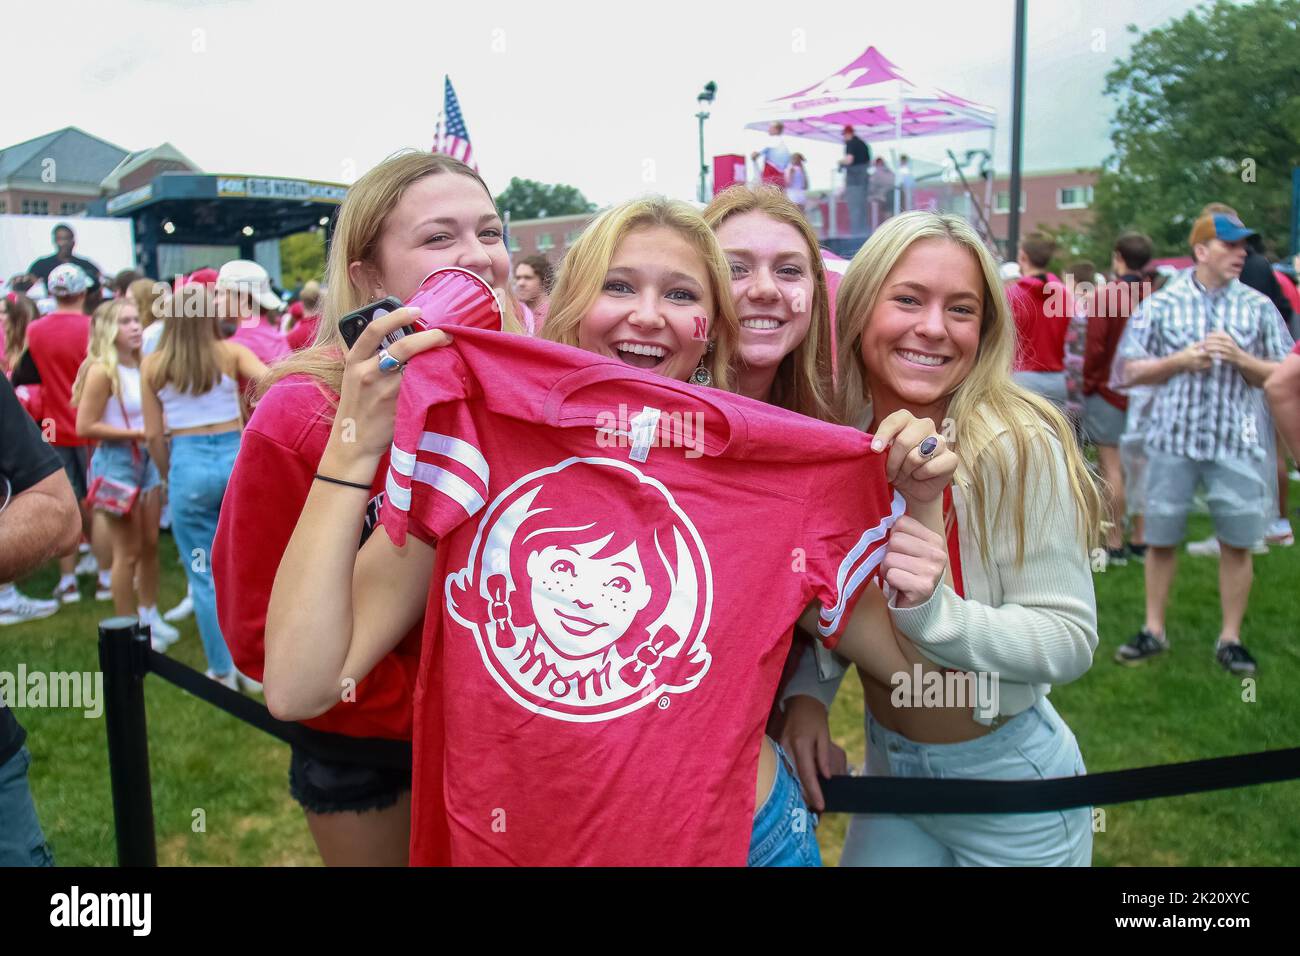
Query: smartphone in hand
354	323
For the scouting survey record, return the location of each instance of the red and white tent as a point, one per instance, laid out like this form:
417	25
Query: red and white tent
873	96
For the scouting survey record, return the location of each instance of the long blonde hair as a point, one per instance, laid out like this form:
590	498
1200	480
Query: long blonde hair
147	295
356	238
985	403
582	274
802	382
188	355
102	350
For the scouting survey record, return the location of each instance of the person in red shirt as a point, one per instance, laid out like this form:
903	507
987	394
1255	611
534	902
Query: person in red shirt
1042	308
306	318
56	347
407	217
1104	408
533	276
631	291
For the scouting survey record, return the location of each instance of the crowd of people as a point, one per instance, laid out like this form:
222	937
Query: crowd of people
871	190
415	538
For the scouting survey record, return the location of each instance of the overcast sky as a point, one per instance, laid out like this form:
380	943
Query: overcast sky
598	95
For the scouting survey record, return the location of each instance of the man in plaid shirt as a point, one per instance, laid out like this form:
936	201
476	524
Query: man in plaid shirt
1208	342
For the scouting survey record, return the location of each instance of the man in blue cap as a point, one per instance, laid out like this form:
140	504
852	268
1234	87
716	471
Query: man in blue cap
1207	342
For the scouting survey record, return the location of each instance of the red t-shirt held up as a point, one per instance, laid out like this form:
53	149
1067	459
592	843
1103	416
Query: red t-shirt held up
1042	311
279	453
609	613
58	344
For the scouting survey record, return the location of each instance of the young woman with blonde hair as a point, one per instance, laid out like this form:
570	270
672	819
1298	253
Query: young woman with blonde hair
778	285
150	297
924	326
190	392
107	397
414	213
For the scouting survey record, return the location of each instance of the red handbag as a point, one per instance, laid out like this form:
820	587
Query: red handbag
109	494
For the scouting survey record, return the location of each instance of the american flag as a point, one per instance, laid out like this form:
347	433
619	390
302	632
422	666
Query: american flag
454	140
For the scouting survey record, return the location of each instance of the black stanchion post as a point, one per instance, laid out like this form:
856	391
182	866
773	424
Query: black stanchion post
122	647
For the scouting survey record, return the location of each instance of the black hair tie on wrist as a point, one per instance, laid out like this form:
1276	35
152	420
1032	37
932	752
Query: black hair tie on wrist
340	481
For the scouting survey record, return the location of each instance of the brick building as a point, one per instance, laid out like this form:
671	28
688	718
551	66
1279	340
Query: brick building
61	173
1052	198
547	237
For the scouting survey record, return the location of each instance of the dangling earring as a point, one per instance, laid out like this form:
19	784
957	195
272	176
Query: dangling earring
701	375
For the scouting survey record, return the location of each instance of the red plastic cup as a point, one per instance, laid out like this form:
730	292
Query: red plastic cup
454	296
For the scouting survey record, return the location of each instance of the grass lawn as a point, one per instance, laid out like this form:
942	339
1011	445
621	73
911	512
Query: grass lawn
1181	707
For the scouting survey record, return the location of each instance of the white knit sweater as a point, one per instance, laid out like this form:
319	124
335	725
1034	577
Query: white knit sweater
1034	625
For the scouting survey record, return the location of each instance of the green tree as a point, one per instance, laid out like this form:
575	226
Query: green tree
302	257
529	199
1208	112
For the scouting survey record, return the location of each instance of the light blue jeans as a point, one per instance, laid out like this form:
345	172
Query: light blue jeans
1033	745
784	828
200	471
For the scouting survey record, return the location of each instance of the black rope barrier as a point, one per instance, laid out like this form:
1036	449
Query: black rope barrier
126	658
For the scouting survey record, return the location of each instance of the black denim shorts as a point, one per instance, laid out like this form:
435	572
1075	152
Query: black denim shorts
333	786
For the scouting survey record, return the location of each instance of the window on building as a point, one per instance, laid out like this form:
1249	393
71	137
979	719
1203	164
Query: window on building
1002	202
514	243
545	242
67	208
1074	197
571	237
4	206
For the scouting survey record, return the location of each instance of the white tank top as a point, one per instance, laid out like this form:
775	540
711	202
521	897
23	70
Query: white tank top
128	383
218	404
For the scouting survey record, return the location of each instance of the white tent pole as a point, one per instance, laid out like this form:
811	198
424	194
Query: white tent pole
898	142
988	185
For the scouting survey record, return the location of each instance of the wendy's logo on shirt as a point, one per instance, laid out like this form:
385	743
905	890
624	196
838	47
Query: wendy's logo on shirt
588	592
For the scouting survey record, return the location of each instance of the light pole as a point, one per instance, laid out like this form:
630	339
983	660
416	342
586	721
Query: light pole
1017	129
706	96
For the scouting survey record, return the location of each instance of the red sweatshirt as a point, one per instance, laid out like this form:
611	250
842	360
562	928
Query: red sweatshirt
1108	311
280	451
1042	310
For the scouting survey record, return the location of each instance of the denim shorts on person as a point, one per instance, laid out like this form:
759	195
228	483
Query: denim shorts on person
113	459
784	831
1035	744
1050	385
21	841
335	786
1103	423
1236	489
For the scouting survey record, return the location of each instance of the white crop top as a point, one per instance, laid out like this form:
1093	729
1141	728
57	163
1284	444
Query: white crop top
218	404
128	386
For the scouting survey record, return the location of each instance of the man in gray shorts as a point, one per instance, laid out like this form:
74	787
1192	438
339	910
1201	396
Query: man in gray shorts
1208	342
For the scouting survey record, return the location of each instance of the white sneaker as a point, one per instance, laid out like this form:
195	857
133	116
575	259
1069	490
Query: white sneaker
161	634
103	592
67	593
1209	548
181	611
1280	533
87	565
247	684
229	680
23	608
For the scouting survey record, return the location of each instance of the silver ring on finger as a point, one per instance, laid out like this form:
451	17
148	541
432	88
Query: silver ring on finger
927	446
388	363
